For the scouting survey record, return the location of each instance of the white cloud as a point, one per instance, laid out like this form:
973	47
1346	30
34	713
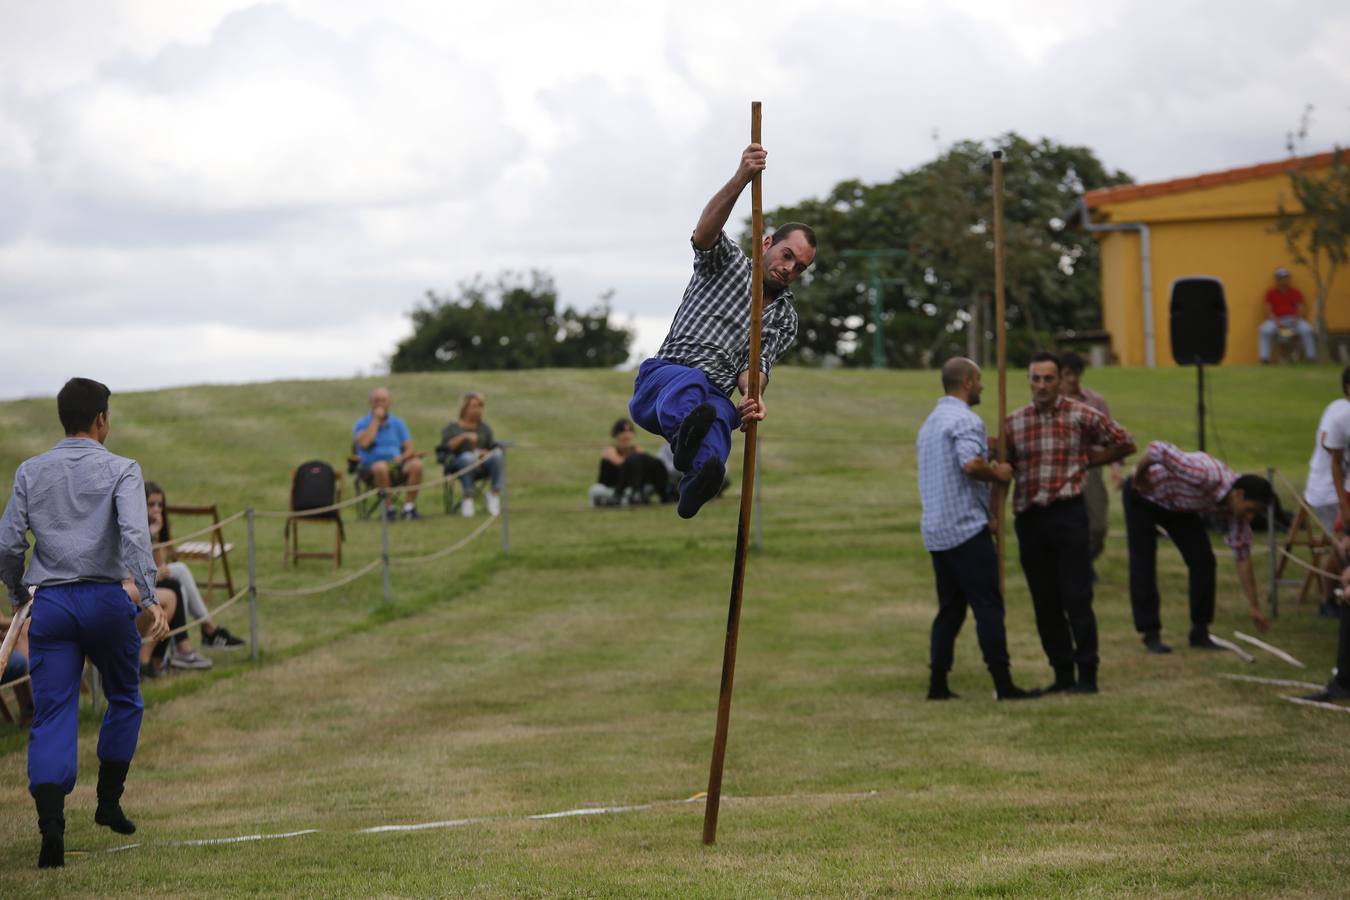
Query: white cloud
238	174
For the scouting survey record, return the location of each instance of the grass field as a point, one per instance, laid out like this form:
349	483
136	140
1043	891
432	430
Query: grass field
581	669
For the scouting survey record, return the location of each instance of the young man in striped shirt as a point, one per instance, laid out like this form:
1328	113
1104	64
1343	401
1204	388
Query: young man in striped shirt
1173	489
684	392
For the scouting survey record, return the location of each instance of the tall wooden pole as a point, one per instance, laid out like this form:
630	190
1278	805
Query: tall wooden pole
1001	330
747	502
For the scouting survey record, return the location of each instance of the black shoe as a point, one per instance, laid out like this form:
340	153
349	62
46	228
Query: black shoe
1329	609
1013	692
1331	693
690	436
1203	642
412	515
701	488
1084	687
112	779
1155	644
942	693
150	670
51	804
221	639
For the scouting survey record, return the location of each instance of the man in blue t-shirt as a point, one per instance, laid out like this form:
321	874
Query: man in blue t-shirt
384	445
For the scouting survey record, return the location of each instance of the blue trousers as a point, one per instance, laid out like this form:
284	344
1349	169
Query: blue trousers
665	392
491	469
70	622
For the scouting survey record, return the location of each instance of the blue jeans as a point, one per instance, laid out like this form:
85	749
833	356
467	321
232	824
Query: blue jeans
665	392
1270	327
491	468
70	622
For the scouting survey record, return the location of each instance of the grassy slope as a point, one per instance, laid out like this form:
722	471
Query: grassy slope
582	669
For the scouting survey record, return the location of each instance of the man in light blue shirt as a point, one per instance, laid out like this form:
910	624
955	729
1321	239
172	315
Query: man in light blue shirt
86	510
954	478
384	445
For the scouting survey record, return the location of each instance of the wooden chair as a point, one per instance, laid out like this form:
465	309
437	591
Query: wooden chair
212	549
1304	533
291	551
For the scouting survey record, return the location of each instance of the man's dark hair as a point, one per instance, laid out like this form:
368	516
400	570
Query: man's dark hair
1345	380
1254	487
1072	362
620	427
782	231
80	402
1045	356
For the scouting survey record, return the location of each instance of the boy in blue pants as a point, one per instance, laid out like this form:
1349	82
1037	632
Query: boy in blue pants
86	510
684	392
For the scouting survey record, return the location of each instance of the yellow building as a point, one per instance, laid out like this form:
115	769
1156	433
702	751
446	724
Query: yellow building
1220	225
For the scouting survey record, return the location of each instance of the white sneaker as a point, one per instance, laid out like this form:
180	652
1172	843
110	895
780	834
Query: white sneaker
494	505
466	508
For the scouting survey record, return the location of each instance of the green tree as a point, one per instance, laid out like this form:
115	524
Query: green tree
940	216
1317	234
512	323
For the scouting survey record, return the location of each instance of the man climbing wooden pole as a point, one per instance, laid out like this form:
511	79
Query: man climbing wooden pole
724	337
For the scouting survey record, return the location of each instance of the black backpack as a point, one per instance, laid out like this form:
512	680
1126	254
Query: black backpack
314	487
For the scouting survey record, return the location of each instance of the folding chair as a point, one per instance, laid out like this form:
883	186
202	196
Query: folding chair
314	485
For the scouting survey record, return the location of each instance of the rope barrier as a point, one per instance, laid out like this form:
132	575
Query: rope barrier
1309	566
444	551
182	629
319	589
334	507
207	530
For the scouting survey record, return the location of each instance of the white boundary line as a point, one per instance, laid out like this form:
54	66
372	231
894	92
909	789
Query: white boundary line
1277	682
479	820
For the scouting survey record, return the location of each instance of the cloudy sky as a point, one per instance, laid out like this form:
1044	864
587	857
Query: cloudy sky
230	191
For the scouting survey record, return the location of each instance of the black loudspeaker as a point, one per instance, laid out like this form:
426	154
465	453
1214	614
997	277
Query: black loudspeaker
1199	317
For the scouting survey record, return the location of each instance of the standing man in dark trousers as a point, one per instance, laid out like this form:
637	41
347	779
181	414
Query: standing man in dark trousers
86	510
1052	443
954	478
1173	489
684	392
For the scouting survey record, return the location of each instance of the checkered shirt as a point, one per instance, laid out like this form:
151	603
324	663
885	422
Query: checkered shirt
1094	400
1049	451
955	506
711	329
1194	482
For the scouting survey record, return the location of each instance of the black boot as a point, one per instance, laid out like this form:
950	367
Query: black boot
1087	679
1004	689
111	778
937	687
1063	680
51	810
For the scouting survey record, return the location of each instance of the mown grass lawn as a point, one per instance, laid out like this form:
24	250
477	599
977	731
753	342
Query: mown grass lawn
581	669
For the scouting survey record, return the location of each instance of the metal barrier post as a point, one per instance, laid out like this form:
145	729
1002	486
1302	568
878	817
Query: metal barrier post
252	590
506	531
1271	542
384	546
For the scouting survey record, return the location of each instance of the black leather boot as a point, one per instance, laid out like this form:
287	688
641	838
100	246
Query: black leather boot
51	810
112	776
1063	680
1087	679
937	686
1004	689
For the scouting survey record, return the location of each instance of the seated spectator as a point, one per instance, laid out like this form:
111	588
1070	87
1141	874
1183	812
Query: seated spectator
1284	306
466	440
17	667
170	569
153	653
384	445
631	476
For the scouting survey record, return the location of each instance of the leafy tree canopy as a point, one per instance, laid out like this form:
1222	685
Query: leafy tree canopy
512	323
939	216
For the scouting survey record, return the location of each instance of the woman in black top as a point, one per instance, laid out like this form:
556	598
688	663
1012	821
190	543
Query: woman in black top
633	475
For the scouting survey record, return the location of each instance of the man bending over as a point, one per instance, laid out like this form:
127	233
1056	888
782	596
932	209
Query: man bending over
684	392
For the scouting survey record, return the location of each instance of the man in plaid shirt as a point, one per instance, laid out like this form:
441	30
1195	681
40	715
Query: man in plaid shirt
683	393
1052	443
1173	489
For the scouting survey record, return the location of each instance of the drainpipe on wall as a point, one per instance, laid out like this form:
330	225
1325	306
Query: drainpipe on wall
1145	272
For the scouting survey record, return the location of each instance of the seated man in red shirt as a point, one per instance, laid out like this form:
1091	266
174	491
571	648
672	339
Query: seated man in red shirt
1284	304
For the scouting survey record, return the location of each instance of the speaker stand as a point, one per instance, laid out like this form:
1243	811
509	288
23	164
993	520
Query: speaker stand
1200	401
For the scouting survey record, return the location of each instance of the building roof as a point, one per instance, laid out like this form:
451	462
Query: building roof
1126	192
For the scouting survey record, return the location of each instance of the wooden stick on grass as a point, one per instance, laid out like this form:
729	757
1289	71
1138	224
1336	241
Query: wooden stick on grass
747	501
